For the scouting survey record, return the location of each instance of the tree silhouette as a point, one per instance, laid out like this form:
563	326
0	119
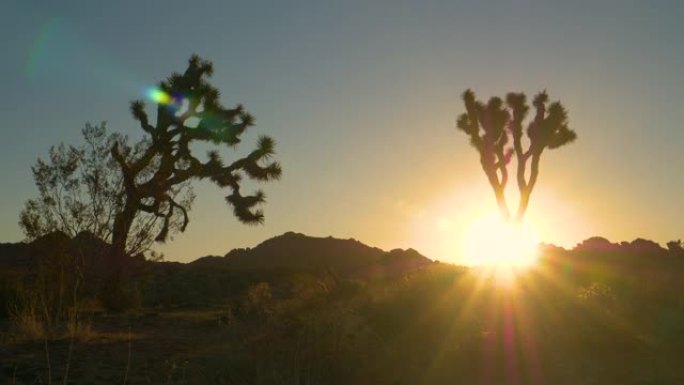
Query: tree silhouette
675	247
490	127
188	112
80	189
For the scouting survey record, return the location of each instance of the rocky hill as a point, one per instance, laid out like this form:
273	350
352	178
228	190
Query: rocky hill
91	252
290	252
298	252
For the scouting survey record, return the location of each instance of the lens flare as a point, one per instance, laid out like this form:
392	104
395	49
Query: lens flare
158	96
40	46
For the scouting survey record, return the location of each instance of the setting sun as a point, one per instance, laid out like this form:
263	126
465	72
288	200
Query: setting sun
491	242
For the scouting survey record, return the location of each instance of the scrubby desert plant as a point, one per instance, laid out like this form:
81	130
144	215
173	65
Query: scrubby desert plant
257	301
80	189
50	302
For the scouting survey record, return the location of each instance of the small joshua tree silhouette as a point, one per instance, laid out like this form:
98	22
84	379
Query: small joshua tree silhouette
490	127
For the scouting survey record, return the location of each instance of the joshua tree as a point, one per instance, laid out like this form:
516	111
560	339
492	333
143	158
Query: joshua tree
490	127
188	111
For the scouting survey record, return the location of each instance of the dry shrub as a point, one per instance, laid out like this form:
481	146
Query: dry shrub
49	304
27	315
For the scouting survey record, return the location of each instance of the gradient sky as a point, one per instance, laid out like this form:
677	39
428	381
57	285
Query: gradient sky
362	97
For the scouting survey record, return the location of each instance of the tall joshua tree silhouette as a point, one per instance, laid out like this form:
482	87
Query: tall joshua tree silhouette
491	126
188	111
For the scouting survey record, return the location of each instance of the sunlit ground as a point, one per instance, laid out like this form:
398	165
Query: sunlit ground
500	249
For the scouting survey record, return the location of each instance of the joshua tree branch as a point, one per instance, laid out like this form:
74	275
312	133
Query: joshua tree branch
527	191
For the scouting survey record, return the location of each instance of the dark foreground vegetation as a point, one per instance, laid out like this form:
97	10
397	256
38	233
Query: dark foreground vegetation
301	310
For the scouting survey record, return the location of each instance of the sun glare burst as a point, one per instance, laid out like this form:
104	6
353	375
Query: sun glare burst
496	245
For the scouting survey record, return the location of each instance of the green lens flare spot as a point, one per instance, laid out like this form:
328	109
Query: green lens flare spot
158	96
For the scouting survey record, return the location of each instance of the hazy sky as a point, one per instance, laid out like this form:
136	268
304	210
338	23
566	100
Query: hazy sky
362	97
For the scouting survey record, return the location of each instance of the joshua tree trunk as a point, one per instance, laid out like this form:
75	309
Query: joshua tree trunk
112	293
122	225
527	188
